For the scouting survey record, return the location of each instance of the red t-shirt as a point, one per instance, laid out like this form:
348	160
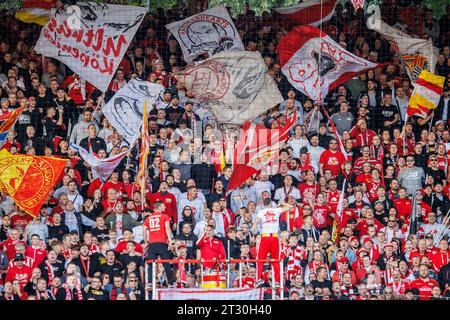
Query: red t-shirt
308	192
424	286
156	225
20	222
332	160
122	247
320	215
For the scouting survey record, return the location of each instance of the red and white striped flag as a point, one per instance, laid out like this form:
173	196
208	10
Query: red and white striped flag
313	12
315	64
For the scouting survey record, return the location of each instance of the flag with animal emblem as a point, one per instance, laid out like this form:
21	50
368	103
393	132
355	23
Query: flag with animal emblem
35	11
91	38
125	109
257	147
29	179
315	64
312	12
141	177
233	85
7	122
405	44
101	168
206	33
337	218
414	64
428	89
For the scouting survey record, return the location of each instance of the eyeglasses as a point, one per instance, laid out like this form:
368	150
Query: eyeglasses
391	220
133	280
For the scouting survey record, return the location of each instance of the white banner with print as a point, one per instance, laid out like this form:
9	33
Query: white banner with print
233	85
101	168
125	109
210	294
91	38
206	33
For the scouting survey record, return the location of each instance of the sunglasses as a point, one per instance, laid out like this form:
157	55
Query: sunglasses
391	220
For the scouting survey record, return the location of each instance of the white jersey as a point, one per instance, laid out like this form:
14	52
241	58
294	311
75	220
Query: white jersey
270	219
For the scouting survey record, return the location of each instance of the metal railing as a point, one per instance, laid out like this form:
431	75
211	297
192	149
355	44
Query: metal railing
217	263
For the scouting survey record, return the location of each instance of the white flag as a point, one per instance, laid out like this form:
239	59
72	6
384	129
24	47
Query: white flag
125	109
405	43
101	168
233	85
208	32
91	38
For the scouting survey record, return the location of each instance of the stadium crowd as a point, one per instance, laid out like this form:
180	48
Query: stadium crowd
90	240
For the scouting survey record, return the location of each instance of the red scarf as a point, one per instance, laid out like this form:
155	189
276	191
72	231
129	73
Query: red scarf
69	295
42	296
348	292
49	272
114	292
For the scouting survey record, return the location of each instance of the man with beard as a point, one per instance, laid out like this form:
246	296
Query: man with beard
88	266
169	201
51	268
94	291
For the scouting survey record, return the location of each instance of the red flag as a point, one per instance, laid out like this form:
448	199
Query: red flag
315	64
313	12
257	147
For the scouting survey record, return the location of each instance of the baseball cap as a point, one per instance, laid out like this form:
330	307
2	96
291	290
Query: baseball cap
429	236
19	257
74	232
343	259
367	239
352	238
3	100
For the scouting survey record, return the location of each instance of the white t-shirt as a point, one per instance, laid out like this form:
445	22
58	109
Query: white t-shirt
270	219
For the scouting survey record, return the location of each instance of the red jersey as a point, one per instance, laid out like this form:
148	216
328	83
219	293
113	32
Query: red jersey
247	282
363	225
398	288
372	187
122	247
211	249
156	225
22	274
20	222
348	214
332	161
37	254
404	208
170	202
8	247
308	192
118	186
333	199
439	260
320	215
416	253
94	185
424	286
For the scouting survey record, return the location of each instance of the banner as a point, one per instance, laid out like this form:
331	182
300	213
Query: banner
234	86
7	122
406	44
315	64
312	12
256	149
208	32
428	89
91	38
35	11
125	109
210	294
101	168
29	179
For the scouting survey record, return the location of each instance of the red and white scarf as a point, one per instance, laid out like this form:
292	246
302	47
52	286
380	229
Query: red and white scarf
69	295
50	273
295	256
348	292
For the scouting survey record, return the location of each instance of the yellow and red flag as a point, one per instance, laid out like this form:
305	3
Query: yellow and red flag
36	11
141	177
7	122
29	179
428	89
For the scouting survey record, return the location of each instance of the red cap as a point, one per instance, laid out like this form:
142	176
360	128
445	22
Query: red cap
182	245
343	259
361	250
366	239
352	238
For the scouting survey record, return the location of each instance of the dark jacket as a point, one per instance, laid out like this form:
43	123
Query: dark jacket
97	144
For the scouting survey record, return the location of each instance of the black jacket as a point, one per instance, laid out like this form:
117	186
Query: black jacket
97	144
204	175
